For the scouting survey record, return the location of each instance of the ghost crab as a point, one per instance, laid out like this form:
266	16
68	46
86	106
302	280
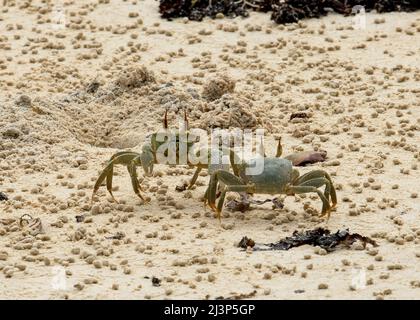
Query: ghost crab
150	155
277	177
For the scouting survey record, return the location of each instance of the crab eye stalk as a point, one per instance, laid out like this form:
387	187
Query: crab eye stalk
279	148
165	120
186	119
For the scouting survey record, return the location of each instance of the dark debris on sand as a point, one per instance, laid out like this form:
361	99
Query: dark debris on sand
287	11
198	9
239	296
156	282
317	237
3	197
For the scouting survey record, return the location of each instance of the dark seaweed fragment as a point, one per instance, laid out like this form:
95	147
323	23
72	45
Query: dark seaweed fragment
287	11
300	115
317	237
181	188
246	242
294	10
239	296
198	9
156	282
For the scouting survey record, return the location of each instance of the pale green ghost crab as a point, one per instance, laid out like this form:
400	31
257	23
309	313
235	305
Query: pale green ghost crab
277	177
149	156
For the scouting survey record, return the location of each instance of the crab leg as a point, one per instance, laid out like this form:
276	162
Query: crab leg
326	208
318	182
320	174
235	162
261	150
134	180
194	178
109	177
279	150
124	157
232	183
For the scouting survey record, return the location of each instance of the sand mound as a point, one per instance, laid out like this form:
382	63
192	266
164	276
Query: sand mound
216	87
134	77
109	114
229	111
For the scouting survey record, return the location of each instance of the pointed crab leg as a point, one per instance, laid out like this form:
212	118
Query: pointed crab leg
232	183
261	150
109	177
326	208
125	158
134	180
329	190
194	178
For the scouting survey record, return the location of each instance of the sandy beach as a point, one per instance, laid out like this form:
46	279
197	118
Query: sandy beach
82	80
